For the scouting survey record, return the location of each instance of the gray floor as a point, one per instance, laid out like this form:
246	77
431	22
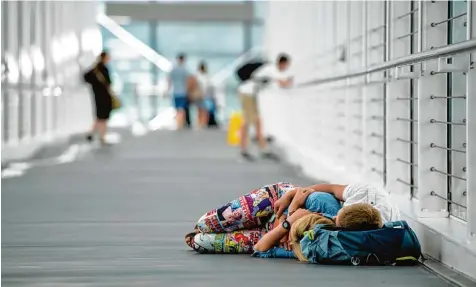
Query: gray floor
117	217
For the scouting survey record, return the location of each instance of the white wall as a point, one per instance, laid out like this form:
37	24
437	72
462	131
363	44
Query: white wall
390	131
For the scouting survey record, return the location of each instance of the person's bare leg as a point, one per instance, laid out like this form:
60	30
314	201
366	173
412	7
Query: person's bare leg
102	127
201	117
244	142
180	118
259	133
244	137
94	128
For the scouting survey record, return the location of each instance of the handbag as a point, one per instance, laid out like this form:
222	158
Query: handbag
116	103
196	94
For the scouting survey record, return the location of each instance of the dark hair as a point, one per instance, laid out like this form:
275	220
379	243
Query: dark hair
181	56
283	58
103	55
202	67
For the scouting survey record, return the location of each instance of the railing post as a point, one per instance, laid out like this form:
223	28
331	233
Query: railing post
432	186
471	128
398	101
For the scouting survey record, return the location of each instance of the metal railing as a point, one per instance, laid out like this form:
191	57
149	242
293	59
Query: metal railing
400	117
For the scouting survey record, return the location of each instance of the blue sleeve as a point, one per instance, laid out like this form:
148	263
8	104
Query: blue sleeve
275	252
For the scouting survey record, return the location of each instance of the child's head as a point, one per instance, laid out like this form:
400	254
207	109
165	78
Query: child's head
359	216
302	225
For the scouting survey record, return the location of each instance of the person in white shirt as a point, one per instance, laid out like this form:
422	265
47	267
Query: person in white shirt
349	194
205	104
248	91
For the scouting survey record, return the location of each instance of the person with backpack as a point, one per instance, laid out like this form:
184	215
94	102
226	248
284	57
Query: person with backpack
99	79
253	76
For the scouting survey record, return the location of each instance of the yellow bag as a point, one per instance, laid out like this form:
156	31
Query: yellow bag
116	103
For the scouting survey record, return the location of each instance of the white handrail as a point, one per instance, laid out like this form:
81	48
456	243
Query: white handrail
452	49
155	58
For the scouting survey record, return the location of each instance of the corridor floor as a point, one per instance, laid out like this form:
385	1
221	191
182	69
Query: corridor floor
118	215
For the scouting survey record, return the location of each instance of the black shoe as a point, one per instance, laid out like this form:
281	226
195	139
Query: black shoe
247	156
89	138
269	155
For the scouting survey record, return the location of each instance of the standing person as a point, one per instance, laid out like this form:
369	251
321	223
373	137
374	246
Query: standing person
205	103
248	91
180	80
100	81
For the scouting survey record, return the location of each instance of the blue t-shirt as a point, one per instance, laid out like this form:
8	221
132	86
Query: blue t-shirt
320	202
324	203
178	77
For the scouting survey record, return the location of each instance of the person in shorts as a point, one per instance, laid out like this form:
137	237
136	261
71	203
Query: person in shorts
248	91
180	79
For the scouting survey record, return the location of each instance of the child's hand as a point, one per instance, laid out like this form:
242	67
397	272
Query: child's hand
281	204
299	199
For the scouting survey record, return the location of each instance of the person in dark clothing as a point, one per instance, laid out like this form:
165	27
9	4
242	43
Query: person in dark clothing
188	123
100	81
212	120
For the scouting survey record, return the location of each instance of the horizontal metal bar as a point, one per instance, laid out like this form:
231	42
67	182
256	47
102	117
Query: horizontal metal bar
447	174
375	29
377	171
407	120
377	153
406	14
457	97
357	147
376	100
406	162
407	99
432	145
375	47
433	121
443	51
447	20
406	35
446	199
375	135
377	118
406	141
406	183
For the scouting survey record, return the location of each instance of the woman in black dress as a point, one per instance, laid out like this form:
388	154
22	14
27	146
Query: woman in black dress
100	81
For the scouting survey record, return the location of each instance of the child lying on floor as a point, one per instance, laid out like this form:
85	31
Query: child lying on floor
359	216
237	226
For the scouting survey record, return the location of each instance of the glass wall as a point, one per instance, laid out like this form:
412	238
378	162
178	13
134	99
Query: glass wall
216	43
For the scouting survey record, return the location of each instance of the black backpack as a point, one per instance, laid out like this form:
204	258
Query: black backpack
244	73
